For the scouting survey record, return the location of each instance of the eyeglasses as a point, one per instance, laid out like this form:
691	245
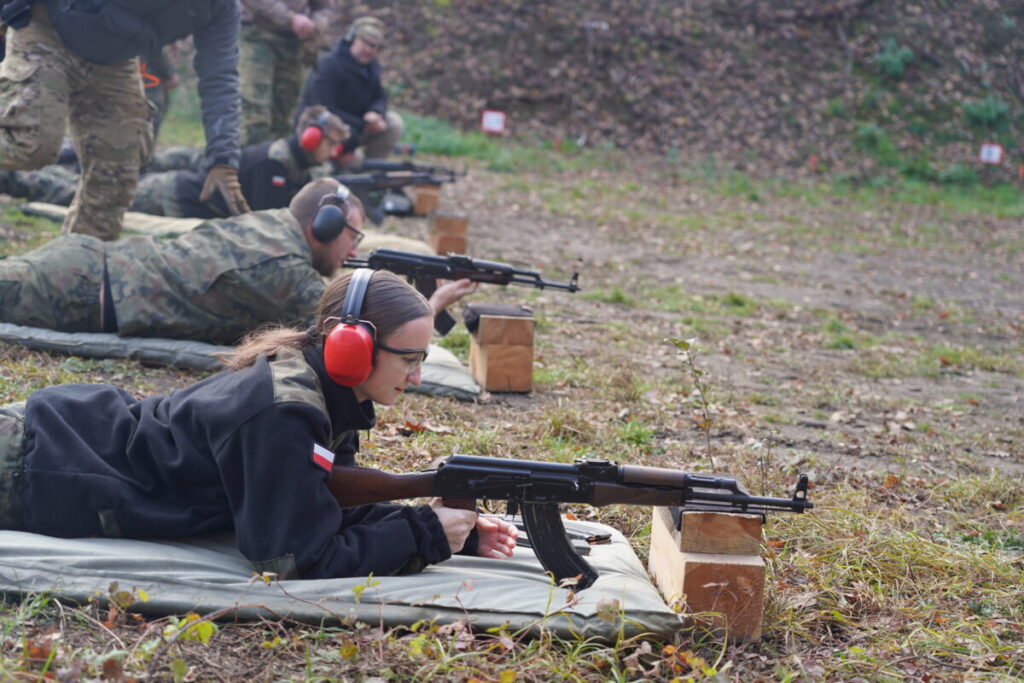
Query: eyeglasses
411	359
370	44
359	234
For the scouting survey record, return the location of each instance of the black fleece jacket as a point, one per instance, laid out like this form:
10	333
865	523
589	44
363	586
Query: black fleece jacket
346	87
232	451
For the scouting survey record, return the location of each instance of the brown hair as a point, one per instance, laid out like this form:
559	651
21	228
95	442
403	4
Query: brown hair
389	303
330	120
307	200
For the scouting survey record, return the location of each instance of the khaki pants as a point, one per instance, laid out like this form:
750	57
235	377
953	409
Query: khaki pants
12	463
43	88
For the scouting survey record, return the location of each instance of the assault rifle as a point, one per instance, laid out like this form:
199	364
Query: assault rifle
536	488
424	270
380	191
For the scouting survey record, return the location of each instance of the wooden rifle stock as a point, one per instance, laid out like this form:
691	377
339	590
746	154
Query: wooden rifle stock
352	486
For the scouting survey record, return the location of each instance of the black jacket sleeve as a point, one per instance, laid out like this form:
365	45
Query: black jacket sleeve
282	507
216	63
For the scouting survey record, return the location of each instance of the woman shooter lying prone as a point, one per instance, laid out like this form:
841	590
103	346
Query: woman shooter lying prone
249	449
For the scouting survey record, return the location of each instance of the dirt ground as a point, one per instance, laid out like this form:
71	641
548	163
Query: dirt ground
847	333
855	339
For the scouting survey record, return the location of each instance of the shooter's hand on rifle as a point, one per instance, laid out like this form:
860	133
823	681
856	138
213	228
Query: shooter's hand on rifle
450	292
496	537
457	523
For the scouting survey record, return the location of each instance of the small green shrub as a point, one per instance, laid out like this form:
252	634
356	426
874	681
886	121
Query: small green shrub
991	112
873	139
893	59
958	174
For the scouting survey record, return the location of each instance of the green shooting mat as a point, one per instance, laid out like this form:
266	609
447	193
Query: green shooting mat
208	574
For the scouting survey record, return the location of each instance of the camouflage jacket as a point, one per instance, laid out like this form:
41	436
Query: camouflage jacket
217	282
276	15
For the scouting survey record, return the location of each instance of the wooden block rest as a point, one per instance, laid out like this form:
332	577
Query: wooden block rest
730	583
444	244
505	329
425	199
501	367
449	222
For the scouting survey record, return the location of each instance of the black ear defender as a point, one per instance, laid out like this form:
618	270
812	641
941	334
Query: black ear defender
350	347
313	135
330	219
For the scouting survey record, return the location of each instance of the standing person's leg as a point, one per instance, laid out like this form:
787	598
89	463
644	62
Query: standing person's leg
256	83
110	123
289	74
34	92
57	286
381	145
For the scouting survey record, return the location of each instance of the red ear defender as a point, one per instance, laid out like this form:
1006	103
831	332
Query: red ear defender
350	346
313	135
311	138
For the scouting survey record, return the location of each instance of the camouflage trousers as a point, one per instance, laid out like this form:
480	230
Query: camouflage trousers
12	463
43	87
57	286
271	71
156	194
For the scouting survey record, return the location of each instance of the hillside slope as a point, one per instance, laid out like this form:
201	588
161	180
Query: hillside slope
862	85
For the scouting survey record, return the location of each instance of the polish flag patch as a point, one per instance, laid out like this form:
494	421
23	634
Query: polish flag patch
277	181
323	457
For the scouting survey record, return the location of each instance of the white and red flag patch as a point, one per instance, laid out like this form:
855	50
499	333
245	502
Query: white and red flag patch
323	457
277	181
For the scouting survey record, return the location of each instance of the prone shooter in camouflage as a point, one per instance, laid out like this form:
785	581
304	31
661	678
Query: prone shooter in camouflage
215	283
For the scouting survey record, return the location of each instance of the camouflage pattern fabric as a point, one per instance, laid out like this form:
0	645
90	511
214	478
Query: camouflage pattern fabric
218	281
12	463
44	86
271	72
56	286
156	195
55	184
176	158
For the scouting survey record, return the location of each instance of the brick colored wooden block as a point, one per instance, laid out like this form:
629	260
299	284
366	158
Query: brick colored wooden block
449	222
425	199
503	329
444	244
501	367
713	532
730	584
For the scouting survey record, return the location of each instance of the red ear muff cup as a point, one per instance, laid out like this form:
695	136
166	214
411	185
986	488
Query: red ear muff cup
348	354
311	138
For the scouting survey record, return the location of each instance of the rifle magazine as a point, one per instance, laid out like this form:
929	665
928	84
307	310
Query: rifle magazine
552	546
